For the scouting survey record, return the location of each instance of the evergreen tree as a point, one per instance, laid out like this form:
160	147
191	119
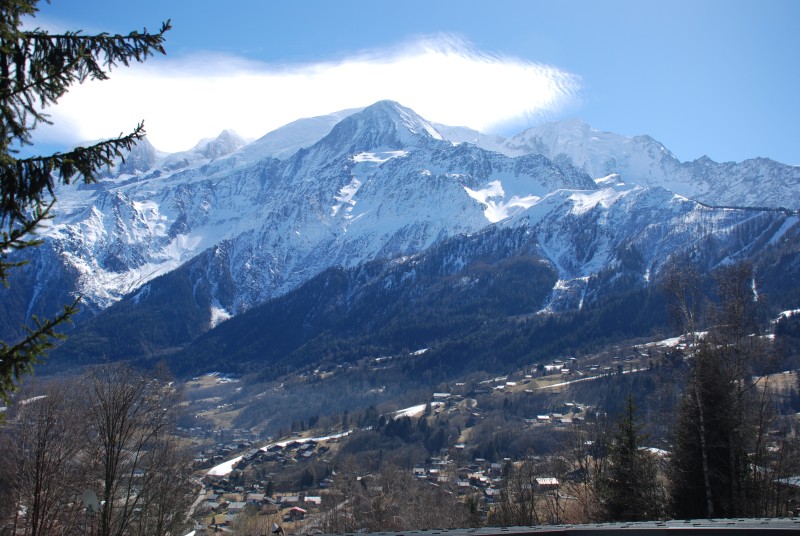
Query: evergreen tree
36	69
719	419
630	489
708	459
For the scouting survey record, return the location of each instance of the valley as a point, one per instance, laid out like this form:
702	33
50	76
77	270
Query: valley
485	425
382	316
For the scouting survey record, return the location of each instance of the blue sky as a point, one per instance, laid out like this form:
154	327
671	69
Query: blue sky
716	78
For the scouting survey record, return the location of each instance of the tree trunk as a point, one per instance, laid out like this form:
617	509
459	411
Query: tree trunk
704	452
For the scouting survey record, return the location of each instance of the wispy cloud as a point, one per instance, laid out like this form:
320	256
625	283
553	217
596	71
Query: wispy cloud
442	78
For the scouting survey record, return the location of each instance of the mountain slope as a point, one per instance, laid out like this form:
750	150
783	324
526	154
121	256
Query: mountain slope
382	183
577	269
185	241
472	303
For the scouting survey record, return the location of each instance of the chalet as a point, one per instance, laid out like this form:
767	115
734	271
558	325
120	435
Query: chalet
478	479
236	507
295	514
268	509
288	501
255	498
546	483
251	455
490	494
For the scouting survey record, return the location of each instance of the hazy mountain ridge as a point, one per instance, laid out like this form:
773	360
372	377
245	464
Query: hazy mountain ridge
757	182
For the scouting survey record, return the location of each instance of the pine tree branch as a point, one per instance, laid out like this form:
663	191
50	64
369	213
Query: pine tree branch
18	359
25	181
117	49
36	69
14	239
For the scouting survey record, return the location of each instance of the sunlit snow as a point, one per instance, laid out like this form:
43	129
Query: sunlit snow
787	314
496	209
345	196
586	201
218	315
378	157
226	467
414	411
788	224
610	180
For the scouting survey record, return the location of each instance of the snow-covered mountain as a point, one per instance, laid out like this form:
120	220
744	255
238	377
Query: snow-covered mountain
249	222
758	182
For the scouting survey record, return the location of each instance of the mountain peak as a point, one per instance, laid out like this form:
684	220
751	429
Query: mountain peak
141	157
404	118
385	124
226	143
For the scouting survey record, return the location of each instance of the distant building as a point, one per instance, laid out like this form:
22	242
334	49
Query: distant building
546	483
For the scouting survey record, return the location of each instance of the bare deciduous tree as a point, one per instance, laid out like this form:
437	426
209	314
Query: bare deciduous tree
532	494
391	500
42	449
130	451
586	450
520	503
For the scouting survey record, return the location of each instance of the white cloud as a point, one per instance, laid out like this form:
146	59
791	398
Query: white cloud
184	100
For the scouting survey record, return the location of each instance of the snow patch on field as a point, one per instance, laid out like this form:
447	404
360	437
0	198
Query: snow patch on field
414	411
226	467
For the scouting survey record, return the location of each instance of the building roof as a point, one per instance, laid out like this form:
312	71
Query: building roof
693	527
